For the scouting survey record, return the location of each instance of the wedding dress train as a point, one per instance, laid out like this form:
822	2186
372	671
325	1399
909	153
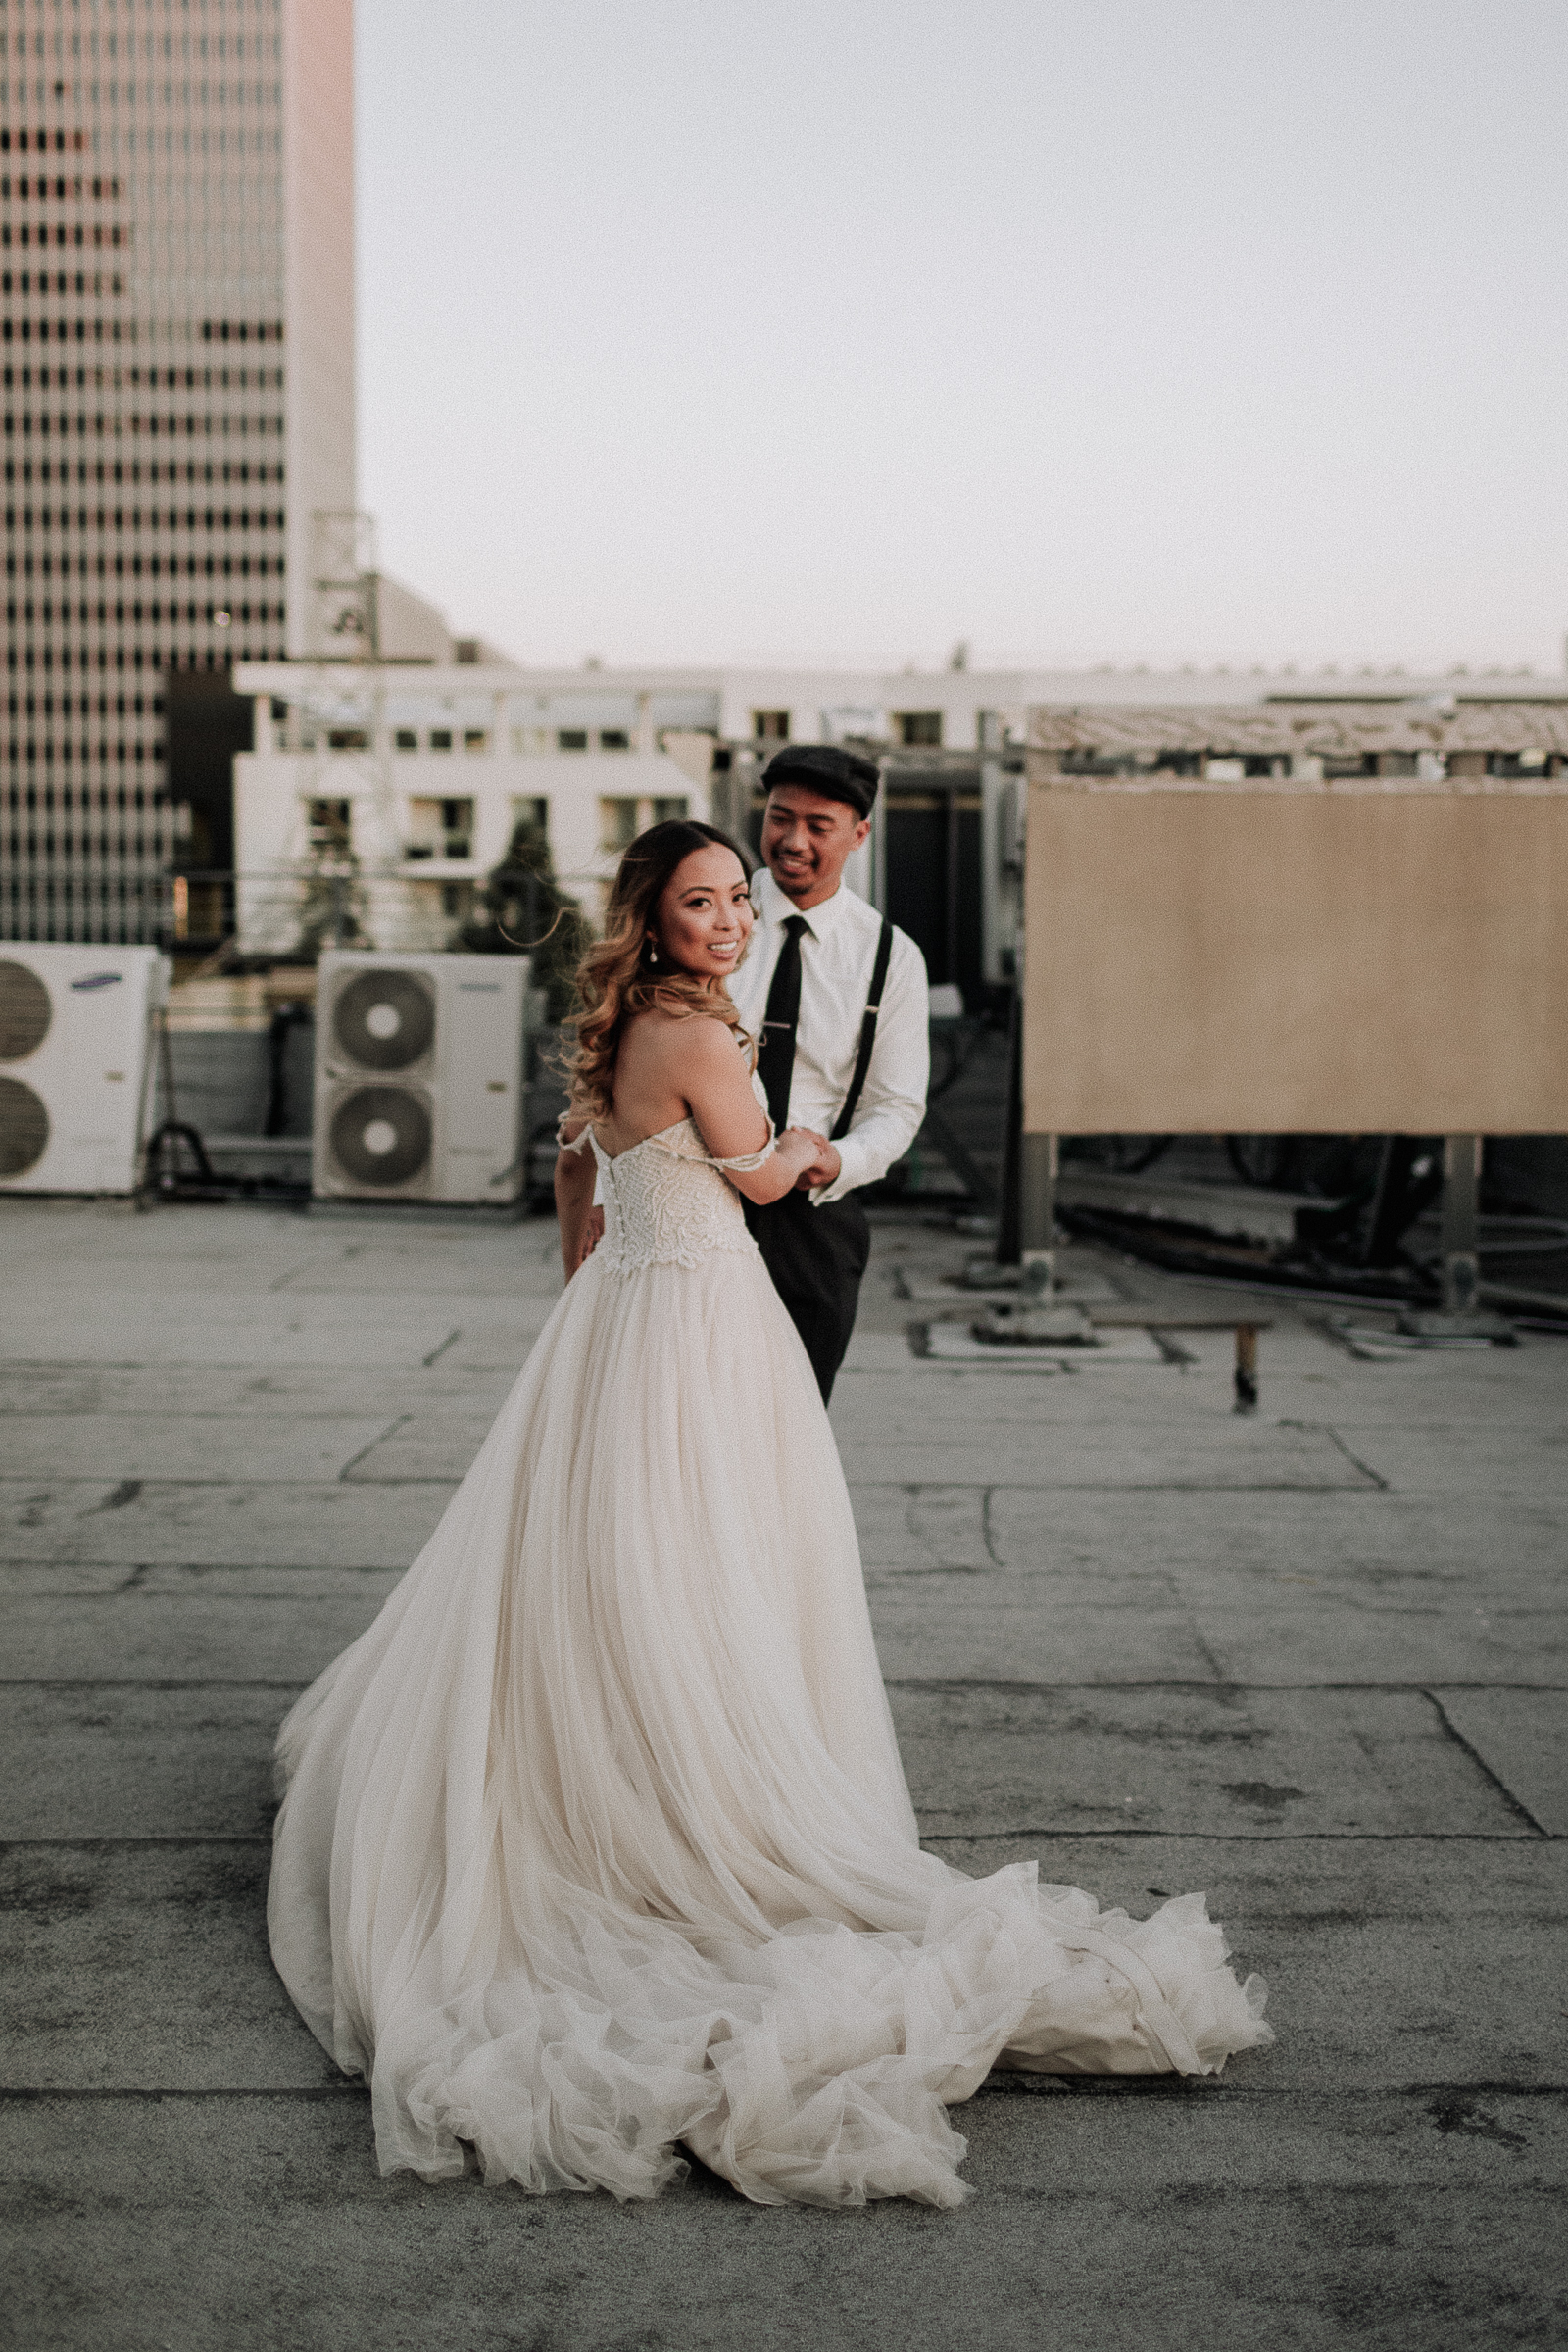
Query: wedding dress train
598	1841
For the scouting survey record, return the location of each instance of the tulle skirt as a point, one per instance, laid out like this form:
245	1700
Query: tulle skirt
597	1842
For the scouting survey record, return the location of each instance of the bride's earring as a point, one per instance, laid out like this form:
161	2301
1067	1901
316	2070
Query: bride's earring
653	949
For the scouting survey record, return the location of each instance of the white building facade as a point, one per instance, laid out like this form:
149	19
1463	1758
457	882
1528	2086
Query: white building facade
176	282
383	794
397	786
379	796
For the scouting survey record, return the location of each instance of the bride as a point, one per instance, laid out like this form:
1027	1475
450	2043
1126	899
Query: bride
597	1844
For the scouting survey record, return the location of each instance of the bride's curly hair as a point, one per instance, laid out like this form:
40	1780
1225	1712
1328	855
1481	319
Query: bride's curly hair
618	979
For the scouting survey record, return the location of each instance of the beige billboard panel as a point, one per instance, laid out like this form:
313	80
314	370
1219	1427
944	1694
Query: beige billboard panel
1312	962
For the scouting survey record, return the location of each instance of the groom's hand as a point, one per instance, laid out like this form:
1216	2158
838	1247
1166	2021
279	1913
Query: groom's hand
824	1169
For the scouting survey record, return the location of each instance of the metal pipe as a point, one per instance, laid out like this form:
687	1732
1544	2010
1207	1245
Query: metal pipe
949	922
1038	1167
1461	1191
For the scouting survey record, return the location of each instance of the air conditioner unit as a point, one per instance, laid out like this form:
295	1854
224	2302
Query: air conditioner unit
419	1077
76	1064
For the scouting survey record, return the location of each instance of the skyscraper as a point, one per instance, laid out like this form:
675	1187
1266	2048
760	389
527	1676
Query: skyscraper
176	310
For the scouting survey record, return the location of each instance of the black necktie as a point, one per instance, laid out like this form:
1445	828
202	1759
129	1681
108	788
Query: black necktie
775	1061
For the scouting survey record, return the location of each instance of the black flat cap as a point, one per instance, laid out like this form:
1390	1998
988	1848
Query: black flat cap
824	768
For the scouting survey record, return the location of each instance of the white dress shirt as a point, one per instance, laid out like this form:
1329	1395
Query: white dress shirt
838	950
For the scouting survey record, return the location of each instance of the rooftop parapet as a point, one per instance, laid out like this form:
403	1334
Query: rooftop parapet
1414	745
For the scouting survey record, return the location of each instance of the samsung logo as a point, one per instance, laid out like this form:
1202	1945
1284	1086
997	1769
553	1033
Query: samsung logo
97	980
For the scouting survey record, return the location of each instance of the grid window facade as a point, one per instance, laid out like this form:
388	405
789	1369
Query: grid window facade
144	434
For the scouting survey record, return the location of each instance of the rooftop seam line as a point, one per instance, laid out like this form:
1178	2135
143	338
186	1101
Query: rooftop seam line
234	1682
262	1837
87	1845
398	1421
1366	1469
1145	2087
216	1568
1480	1764
1259	1836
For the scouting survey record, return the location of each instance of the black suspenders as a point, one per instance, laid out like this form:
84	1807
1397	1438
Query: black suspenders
873	1005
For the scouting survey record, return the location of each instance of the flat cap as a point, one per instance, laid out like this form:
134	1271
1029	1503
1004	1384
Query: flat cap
827	768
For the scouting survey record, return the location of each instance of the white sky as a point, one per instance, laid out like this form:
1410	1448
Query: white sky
1159	331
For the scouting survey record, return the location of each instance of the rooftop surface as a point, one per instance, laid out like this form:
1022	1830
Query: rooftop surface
1310	1660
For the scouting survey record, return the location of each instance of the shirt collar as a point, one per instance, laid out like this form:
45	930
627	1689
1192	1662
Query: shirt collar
774	906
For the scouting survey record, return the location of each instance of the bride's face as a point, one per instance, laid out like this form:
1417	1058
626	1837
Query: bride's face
703	917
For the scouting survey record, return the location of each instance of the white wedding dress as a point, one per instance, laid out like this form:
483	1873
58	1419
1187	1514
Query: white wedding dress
598	1841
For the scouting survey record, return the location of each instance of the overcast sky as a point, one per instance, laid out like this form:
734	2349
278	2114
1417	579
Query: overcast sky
1130	330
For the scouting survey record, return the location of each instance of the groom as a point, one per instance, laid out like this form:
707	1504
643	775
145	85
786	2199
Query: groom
836	997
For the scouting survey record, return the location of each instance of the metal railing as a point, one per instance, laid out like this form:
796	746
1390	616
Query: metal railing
193	912
94	905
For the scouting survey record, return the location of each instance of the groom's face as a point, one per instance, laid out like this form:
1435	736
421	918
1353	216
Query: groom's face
805	840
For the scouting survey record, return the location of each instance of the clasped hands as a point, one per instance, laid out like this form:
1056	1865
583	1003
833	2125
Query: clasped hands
824	1169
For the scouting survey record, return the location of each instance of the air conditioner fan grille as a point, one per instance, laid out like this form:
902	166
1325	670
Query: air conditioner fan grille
381	1135
384	1020
24	1128
25	1011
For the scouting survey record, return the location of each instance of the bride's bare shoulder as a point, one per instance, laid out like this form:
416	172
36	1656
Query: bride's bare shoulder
677	1043
678	1032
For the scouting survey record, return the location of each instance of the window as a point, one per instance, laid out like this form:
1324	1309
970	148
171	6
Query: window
440	829
328	825
621	817
770	727
405	738
347	739
440	739
475	738
618	822
918	727
571	738
531	811
613	739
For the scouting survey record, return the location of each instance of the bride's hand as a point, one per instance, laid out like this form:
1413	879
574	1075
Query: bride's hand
593	1233
825	1165
797	1149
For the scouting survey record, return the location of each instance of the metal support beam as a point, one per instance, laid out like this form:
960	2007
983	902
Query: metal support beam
1462	1189
1037	1207
990	870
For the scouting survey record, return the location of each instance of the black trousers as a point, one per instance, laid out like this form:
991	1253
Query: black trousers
817	1257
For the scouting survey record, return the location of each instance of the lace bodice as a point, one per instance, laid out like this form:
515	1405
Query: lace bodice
665	1201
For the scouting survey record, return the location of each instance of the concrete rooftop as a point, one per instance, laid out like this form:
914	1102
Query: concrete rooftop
1311	1661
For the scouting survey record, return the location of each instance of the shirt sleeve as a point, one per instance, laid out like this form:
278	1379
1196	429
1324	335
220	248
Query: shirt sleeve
892	1105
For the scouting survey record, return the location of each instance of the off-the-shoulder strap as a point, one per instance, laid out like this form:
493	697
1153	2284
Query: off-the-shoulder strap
577	1140
742	1165
749	1160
